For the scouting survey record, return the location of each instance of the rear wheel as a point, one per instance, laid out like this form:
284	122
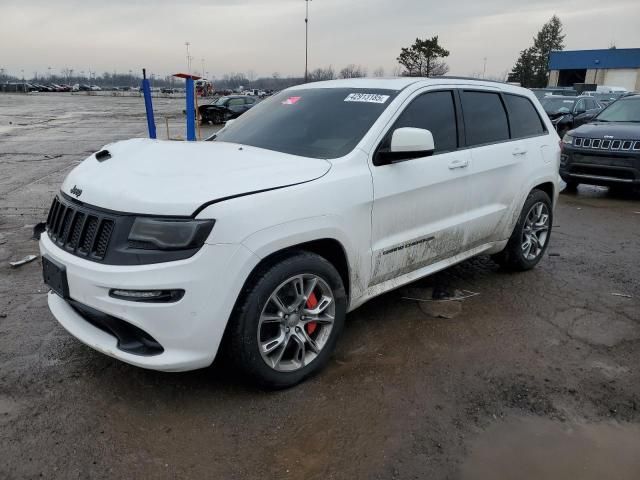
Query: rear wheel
531	235
288	320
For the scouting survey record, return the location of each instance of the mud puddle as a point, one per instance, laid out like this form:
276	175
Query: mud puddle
534	449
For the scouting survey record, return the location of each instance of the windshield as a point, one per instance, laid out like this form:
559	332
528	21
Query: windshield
315	122
558	104
221	101
627	110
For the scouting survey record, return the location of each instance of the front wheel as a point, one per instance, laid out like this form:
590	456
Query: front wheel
288	320
531	235
218	118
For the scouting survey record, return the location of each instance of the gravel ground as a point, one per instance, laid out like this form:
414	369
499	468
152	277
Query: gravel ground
535	377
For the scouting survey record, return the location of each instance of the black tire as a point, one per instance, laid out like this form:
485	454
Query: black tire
217	118
241	337
512	256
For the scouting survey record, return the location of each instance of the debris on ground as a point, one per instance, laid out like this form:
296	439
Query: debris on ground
438	302
624	295
27	259
436	296
437	309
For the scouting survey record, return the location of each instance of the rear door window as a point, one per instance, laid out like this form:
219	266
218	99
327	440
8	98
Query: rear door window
433	111
485	119
525	121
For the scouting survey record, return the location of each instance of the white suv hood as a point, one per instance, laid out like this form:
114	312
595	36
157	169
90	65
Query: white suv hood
175	178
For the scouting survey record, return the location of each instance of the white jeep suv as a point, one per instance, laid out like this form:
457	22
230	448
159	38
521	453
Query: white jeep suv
260	240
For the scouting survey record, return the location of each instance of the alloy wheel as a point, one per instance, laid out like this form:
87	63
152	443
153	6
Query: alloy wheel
296	322
535	231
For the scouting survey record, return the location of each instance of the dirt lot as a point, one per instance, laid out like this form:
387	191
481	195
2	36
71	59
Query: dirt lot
535	377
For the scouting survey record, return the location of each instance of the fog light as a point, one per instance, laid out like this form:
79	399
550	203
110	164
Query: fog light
147	295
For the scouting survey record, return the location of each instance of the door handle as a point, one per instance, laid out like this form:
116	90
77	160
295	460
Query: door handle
462	163
519	151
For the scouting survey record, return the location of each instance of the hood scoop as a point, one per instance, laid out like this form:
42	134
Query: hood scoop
103	155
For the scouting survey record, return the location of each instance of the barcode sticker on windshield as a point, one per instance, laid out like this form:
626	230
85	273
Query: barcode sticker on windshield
366	98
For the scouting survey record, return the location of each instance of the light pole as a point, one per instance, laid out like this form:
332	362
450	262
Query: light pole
188	58
484	68
306	41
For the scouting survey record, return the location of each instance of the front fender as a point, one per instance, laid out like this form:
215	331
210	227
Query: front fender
278	237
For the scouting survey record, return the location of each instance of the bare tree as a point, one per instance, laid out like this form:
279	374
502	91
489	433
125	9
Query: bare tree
378	72
353	71
320	74
397	71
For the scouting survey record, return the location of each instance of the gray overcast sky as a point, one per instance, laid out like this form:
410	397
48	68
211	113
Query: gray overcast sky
267	36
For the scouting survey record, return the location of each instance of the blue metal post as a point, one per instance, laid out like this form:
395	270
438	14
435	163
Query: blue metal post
148	105
191	112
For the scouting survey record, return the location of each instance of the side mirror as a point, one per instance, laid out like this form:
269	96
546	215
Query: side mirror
406	143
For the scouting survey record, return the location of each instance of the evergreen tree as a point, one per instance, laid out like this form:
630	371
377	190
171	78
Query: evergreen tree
531	68
548	39
423	58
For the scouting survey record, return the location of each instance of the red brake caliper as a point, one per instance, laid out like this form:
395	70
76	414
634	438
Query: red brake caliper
312	301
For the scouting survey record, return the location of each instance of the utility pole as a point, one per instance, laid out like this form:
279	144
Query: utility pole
306	42
202	71
484	68
188	58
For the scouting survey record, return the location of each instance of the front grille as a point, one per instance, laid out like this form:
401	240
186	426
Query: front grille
79	230
599	144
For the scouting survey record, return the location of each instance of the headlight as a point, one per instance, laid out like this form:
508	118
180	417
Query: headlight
169	234
567	139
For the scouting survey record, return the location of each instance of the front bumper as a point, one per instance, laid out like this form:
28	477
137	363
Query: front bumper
189	331
602	168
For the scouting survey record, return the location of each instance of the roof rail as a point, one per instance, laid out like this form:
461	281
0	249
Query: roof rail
454	77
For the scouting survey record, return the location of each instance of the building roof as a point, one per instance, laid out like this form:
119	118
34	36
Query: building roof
609	58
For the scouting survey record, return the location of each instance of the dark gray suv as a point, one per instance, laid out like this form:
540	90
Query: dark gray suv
606	151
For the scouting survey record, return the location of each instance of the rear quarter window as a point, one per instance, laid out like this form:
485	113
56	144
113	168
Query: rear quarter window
525	120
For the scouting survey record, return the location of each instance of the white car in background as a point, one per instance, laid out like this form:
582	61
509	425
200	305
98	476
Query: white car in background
260	240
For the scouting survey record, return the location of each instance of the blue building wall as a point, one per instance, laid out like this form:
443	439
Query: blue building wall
589	59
